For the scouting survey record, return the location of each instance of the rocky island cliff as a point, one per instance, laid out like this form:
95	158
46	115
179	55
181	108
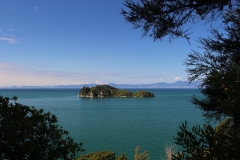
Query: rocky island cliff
109	91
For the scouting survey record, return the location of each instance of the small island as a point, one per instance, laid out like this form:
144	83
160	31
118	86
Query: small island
109	91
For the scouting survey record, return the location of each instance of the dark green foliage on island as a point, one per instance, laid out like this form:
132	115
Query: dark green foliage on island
98	91
123	93
102	90
85	90
143	94
29	133
109	91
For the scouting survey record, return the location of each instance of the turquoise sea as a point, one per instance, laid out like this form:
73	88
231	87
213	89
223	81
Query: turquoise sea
117	124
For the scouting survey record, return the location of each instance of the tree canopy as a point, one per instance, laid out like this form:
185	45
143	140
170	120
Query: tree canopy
143	94
220	143
160	18
29	133
218	68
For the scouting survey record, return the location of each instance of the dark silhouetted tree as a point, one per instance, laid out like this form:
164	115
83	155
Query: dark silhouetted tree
28	133
160	18
218	69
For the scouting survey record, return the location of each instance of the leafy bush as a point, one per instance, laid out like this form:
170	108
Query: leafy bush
102	155
143	94
123	93
29	133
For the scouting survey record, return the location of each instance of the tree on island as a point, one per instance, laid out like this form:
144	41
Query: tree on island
28	133
84	91
218	68
143	94
109	91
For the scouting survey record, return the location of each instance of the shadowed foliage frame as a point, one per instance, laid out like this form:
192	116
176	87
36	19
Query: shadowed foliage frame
29	133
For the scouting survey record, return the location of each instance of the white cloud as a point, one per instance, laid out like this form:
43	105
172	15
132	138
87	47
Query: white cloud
0	29
9	40
20	74
177	78
31	75
13	8
10	29
98	82
36	10
169	79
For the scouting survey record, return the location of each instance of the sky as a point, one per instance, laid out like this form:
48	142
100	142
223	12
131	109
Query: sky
59	42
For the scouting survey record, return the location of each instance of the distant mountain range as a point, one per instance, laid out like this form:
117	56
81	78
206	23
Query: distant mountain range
177	84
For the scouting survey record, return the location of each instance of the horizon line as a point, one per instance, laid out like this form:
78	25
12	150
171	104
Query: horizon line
76	85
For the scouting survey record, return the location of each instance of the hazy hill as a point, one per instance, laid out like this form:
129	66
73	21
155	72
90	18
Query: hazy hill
177	84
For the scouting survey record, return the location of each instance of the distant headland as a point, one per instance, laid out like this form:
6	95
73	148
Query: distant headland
177	84
109	91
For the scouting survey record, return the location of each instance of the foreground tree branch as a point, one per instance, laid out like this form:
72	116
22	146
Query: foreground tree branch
160	18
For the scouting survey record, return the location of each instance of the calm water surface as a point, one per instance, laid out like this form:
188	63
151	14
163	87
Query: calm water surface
117	124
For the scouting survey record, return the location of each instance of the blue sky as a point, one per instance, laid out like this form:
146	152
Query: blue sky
61	42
